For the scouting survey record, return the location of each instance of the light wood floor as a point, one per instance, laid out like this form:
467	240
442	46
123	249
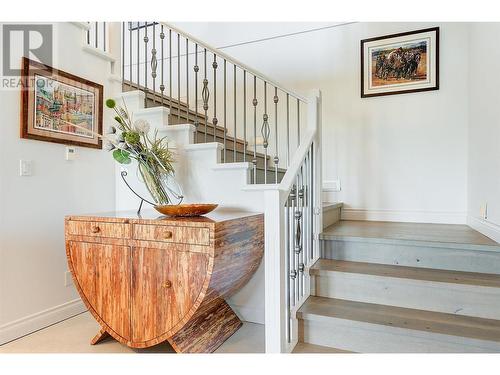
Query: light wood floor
408	231
73	336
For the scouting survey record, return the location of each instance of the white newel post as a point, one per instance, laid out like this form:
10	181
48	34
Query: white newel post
274	257
316	117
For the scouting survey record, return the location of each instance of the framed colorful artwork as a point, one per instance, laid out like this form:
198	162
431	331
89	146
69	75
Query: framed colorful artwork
400	63
59	107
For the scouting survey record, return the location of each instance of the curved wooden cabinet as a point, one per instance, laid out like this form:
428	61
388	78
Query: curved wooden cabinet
150	279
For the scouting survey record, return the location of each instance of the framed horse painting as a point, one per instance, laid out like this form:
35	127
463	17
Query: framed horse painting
400	63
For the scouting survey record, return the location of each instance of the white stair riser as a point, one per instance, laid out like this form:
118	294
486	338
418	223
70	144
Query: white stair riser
331	216
412	256
461	299
373	338
134	100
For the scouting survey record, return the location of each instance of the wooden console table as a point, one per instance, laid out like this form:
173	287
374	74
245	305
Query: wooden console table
147	279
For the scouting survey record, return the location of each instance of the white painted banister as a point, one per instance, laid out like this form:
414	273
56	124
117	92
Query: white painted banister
292	222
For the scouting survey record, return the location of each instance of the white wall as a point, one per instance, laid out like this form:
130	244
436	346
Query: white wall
400	157
32	251
484	128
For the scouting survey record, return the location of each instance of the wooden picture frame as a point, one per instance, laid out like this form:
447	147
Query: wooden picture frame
400	63
57	106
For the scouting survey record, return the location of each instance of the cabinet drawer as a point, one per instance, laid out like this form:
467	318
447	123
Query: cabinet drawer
166	233
98	229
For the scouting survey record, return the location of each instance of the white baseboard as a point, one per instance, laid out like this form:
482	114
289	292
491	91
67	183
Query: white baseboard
39	320
485	227
435	217
248	314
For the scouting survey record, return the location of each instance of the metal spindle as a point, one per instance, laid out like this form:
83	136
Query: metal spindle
154	64
287	269
254	102
205	94
294	273
187	80
244	115
170	70
225	118
215	120
88	34
265	131
196	68
162	85
179	78
130	52
234	104
276	158
146	39
123	51
104	36
138	55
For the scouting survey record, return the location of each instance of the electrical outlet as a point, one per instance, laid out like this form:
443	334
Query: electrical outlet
483	211
68	280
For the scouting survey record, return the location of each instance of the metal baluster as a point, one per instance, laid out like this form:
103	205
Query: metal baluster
225	117
170	70
205	94
215	120
196	68
265	131
179	77
298	123
146	39
154	64
305	183
287	268
254	102
276	158
234	104
300	230
138	56
104	35
293	273
187	80
287	130
244	115
88	34
130	52
162	86
123	51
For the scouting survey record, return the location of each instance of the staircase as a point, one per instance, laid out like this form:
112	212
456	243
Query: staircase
402	288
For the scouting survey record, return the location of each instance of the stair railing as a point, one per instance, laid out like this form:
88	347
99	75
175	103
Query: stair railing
255	118
97	35
293	220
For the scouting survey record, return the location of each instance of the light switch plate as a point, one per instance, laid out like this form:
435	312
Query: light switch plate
25	168
331	185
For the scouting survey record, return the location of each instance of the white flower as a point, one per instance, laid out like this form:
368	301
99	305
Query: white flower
142	126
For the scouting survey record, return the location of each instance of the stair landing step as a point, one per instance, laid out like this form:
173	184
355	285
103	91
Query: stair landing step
447	235
324	267
303	347
321	308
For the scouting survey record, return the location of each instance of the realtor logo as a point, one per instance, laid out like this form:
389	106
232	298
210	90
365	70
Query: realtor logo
33	41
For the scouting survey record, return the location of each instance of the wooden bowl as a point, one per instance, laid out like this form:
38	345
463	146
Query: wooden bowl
185	210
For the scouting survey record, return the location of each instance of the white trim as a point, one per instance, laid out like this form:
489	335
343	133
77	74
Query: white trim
152	111
99	53
230	166
31	323
181	127
82	25
485	227
204	146
434	217
115	78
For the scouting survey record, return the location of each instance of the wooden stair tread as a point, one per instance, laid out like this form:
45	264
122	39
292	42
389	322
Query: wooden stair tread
303	347
331	205
326	266
420	320
442	235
